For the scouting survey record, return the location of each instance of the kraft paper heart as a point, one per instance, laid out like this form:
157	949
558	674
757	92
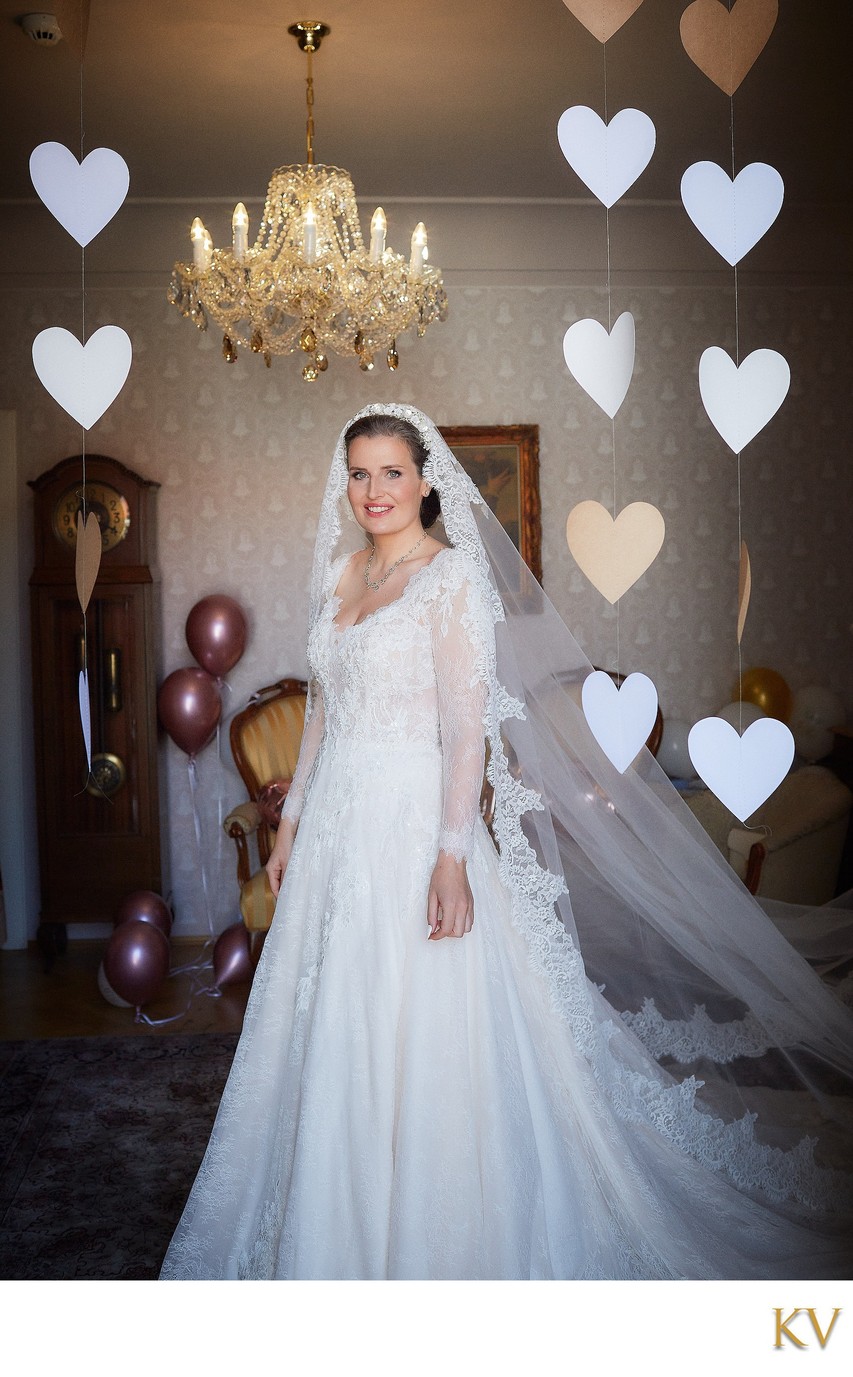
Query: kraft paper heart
724	43
740	401
620	719
602	363
87	557
83	379
82	196
85	714
608	158
744	588
732	216
602	17
614	554
743	770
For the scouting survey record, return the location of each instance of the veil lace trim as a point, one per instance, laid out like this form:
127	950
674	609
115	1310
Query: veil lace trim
650	1096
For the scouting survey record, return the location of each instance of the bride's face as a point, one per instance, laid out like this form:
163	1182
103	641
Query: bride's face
384	487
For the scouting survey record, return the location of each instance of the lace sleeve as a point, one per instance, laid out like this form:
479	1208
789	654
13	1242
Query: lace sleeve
312	735
460	637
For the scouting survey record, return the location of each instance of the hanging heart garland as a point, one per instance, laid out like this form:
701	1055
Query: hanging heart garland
602	363
608	158
85	196
87	559
741	400
620	718
83	379
742	771
723	43
732	215
603	18
614	554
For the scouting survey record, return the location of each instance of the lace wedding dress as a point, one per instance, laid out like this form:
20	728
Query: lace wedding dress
462	1108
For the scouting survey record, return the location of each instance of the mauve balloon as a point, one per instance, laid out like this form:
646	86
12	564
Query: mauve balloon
216	633
189	706
232	962
136	961
148	907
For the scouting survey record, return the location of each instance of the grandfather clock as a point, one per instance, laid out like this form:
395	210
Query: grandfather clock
99	837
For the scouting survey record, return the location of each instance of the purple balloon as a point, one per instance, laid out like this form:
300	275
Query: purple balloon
232	961
189	706
136	961
147	907
216	633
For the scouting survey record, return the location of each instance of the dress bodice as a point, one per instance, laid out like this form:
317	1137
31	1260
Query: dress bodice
378	677
411	675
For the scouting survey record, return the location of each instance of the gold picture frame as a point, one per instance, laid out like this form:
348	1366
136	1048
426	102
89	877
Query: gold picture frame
503	462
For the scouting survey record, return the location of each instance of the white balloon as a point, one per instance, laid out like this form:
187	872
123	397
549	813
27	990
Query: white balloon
739	713
817	707
673	755
812	743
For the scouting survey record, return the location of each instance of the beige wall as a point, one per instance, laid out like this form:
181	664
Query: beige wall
242	452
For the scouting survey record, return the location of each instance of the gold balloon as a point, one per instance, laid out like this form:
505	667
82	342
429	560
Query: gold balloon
767	690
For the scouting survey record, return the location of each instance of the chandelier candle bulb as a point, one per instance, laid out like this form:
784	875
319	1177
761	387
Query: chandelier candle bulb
419	244
198	235
378	227
309	234
240	231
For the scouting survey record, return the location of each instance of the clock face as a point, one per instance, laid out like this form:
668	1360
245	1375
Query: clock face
111	509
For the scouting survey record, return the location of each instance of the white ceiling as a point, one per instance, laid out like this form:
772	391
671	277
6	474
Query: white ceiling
423	98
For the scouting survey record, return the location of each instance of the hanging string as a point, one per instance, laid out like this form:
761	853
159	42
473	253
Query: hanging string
737	365
609	328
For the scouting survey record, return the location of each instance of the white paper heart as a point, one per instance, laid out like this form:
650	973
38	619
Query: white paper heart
85	714
732	215
740	401
608	158
603	364
620	719
82	196
83	379
743	770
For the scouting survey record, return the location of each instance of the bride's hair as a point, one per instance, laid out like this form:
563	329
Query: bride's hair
399	429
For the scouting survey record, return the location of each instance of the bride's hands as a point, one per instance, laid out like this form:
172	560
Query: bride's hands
280	855
450	907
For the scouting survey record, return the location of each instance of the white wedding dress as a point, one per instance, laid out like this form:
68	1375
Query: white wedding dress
461	1108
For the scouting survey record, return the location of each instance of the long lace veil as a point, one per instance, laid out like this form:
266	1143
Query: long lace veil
749	1046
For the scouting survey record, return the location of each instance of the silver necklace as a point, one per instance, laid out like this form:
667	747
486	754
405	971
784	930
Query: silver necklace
376	586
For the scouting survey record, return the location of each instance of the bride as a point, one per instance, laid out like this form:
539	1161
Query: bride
568	1045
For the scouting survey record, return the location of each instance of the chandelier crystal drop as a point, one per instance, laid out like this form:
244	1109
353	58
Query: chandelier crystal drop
308	285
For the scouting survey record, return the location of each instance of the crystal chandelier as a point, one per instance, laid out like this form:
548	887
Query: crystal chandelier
308	284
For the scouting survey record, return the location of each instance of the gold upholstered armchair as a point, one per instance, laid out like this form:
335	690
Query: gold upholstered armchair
265	740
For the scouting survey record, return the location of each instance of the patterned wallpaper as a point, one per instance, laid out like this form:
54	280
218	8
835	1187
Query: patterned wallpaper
242	454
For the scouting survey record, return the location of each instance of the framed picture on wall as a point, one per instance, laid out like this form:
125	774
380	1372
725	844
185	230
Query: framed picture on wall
503	461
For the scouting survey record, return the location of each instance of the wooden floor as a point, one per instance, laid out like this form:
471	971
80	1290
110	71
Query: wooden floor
65	1000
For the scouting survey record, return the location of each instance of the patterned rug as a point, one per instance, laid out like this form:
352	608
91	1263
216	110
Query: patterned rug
100	1141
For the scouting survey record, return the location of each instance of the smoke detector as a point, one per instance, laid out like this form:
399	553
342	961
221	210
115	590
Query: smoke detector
41	28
